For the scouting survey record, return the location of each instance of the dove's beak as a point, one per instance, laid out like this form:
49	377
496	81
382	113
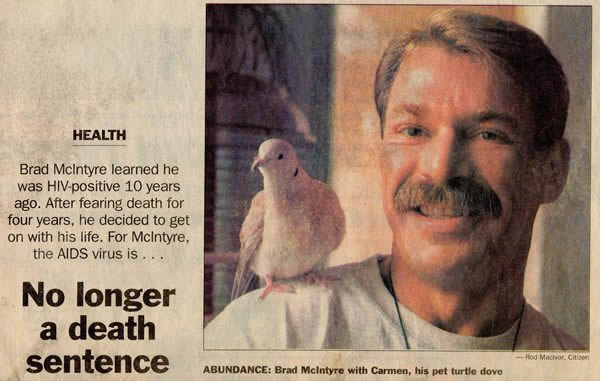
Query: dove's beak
258	161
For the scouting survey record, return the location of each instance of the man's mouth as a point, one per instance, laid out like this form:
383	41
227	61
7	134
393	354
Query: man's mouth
459	197
444	211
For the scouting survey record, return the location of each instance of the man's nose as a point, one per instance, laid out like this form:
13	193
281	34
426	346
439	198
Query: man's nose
443	157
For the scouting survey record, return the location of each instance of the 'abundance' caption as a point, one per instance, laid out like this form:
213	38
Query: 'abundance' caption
357	370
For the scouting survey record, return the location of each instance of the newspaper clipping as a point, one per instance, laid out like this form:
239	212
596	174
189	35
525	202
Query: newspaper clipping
302	191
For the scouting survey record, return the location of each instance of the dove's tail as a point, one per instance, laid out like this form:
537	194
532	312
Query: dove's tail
245	280
244	284
251	282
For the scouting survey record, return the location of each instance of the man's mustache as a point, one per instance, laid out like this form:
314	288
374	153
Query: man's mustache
459	196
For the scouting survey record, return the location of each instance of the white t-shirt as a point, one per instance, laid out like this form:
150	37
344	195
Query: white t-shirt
357	312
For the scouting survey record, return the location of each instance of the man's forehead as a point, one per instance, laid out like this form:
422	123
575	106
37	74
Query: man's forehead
432	66
433	75
419	76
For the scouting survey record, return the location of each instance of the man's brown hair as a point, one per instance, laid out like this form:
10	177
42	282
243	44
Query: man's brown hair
515	54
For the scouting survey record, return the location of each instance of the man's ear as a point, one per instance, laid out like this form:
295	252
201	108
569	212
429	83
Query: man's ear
555	169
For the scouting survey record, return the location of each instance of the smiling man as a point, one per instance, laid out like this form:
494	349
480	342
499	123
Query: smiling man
472	111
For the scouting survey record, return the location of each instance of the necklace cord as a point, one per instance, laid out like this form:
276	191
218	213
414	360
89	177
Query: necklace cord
398	311
514	346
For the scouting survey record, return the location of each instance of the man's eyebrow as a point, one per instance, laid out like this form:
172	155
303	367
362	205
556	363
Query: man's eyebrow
407	108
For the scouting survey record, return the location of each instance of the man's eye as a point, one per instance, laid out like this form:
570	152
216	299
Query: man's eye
487	135
495	137
404	133
413	131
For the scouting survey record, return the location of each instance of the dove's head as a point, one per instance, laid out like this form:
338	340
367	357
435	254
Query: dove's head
276	157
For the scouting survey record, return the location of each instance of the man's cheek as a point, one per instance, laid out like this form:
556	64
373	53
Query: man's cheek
392	158
391	163
502	172
523	179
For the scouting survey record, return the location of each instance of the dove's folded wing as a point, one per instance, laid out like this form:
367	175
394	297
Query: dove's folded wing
250	240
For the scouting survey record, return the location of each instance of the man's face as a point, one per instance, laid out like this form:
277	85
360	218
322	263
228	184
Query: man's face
459	178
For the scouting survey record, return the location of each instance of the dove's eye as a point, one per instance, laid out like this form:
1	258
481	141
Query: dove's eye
280	156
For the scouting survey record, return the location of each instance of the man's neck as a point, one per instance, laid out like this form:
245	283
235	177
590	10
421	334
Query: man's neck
485	309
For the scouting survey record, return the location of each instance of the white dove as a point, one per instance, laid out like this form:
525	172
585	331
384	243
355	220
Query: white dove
292	224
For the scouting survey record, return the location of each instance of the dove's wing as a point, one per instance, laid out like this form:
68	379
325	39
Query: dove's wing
250	240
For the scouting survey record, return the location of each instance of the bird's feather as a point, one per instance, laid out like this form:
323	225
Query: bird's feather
250	239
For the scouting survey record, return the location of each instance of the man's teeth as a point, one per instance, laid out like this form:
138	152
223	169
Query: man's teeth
442	211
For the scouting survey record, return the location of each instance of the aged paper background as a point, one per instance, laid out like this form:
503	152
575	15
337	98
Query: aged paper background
139	65
133	65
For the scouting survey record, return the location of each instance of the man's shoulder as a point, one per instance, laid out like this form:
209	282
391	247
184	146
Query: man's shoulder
275	321
538	333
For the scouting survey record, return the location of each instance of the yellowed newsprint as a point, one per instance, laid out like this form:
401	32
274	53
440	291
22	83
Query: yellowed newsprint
132	156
